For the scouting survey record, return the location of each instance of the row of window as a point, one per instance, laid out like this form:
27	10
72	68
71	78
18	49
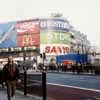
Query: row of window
17	49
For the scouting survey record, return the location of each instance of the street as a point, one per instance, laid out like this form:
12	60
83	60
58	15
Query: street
83	81
64	86
73	87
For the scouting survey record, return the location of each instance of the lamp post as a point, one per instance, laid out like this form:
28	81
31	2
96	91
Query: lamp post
43	56
71	43
82	47
25	72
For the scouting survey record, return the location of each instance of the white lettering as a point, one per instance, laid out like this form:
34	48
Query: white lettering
58	24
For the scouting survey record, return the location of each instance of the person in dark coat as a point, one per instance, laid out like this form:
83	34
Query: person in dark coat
11	76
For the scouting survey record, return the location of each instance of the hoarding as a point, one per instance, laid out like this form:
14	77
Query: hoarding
20	34
54	38
78	58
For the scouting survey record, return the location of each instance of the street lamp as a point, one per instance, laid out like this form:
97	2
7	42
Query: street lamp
82	47
72	39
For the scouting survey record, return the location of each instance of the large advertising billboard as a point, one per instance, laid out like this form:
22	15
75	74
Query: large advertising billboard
28	33
54	24
54	38
54	49
8	35
20	34
55	43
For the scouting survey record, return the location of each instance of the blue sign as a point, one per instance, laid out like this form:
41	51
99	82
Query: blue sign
7	35
78	58
54	25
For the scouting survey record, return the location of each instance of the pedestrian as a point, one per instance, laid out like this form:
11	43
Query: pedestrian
11	76
78	68
1	74
73	68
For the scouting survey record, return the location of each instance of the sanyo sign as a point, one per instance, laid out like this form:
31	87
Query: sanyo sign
55	49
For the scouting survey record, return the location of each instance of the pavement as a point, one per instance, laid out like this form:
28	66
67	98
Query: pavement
19	96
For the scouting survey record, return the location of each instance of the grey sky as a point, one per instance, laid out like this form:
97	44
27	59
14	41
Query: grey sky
84	15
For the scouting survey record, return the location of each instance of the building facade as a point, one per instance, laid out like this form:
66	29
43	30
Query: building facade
52	36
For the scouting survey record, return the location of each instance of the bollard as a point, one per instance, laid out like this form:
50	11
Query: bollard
25	82
44	92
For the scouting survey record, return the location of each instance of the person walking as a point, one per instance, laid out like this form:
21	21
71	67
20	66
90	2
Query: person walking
11	76
78	68
1	74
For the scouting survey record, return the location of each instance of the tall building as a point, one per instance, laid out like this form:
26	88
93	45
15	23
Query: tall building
52	35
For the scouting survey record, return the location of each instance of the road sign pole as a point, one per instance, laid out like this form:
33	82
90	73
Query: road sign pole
44	90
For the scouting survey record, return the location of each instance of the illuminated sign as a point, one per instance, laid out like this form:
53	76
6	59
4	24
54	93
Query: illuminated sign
55	38
28	40
55	49
54	24
21	33
29	26
28	33
8	35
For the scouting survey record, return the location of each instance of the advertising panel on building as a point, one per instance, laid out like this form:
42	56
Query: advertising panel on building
20	34
28	33
54	37
54	25
55	49
8	35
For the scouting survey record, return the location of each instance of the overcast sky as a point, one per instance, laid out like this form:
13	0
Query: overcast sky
84	15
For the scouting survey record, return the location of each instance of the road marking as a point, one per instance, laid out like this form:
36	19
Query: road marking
95	90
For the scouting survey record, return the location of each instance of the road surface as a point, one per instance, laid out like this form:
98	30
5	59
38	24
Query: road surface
73	87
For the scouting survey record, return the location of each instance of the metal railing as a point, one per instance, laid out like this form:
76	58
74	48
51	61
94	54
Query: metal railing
34	84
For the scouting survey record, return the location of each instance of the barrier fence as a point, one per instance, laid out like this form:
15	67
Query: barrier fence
34	84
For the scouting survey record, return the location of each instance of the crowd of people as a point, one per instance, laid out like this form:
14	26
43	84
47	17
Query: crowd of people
76	67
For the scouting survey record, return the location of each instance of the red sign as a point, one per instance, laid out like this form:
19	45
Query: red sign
57	49
28	40
67	62
30	26
28	33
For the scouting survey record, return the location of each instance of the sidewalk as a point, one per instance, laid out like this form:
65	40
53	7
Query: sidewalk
19	96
